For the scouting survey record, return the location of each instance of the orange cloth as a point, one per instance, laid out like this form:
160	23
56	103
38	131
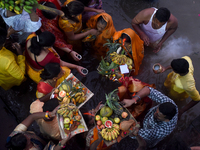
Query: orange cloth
137	47
106	34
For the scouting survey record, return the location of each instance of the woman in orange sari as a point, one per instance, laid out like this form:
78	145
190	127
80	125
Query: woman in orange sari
133	45
71	23
39	52
104	24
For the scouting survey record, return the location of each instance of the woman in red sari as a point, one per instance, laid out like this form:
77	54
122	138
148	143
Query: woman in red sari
50	23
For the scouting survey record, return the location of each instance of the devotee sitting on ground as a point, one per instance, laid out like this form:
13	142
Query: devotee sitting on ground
181	83
71	23
52	76
39	52
94	5
12	68
104	24
133	45
25	23
20	138
50	23
154	26
48	127
159	122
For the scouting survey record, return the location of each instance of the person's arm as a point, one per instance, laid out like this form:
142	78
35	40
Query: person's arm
72	66
45	98
72	36
33	16
71	52
62	143
29	120
140	18
170	31
94	10
142	143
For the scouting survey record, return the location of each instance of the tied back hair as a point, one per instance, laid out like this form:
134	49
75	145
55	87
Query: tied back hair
87	2
45	39
73	8
50	71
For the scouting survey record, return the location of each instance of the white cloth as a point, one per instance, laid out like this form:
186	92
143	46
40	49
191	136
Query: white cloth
153	34
21	22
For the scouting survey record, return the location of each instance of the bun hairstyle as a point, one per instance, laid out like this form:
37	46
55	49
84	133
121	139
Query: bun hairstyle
50	71
49	15
73	8
44	39
87	2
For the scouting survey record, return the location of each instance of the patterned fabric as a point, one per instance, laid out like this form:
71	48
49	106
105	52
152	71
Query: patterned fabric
154	131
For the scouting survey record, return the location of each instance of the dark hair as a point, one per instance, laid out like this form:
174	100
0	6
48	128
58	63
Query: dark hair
50	71
87	2
46	14
102	21
162	14
168	109
46	39
73	8
3	36
50	105
125	36
180	66
177	143
17	142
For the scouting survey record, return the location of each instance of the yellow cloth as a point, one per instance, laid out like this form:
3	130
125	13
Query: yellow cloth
182	87
12	69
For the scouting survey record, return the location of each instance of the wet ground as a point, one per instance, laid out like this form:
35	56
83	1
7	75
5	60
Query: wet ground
185	41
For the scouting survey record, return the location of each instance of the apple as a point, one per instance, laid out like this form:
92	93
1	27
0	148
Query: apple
102	126
116	120
104	119
99	122
124	114
97	118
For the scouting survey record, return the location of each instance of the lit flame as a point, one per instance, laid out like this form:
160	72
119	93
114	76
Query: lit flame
89	114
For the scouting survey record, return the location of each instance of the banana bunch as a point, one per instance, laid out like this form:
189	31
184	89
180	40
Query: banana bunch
18	5
79	97
110	134
66	110
118	58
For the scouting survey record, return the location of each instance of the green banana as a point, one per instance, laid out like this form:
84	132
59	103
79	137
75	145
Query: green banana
17	8
28	7
18	2
11	2
27	3
7	6
32	2
27	10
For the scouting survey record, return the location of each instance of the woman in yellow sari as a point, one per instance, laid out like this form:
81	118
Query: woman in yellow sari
133	45
39	52
104	24
71	23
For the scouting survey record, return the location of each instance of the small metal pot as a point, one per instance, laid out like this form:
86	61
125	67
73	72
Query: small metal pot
157	68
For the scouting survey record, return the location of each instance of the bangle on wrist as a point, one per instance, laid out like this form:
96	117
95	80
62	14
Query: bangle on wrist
137	96
70	51
50	116
47	115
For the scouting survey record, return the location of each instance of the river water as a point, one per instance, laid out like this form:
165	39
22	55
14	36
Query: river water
185	41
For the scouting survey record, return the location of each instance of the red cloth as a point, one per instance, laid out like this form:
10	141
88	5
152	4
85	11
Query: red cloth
53	27
50	57
44	88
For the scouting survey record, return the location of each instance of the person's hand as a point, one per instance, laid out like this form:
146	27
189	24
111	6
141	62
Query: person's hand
99	11
135	130
53	113
17	46
128	102
94	32
10	31
79	68
157	48
145	38
64	141
74	55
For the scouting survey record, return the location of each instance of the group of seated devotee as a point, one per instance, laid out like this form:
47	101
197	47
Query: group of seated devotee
42	38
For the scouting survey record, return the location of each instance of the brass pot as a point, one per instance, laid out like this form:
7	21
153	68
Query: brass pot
157	68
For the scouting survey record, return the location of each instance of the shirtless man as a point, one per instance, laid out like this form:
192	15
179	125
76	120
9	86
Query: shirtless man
154	26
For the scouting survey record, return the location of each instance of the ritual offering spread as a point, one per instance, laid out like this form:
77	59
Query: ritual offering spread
88	38
113	121
71	90
116	56
70	120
